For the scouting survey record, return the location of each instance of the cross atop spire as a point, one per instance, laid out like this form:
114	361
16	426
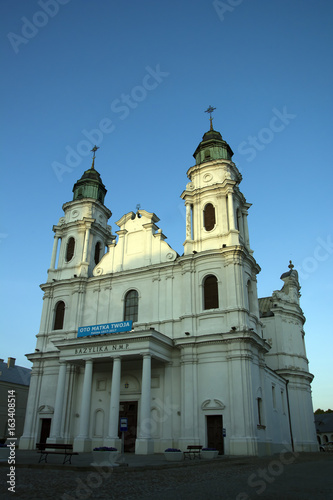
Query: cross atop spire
94	149
210	110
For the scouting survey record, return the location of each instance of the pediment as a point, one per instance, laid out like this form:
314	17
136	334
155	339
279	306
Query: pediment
140	243
212	404
43	409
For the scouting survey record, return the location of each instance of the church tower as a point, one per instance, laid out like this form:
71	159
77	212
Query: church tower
216	223
83	232
216	210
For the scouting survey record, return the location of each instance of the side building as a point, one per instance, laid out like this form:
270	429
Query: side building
203	361
13	378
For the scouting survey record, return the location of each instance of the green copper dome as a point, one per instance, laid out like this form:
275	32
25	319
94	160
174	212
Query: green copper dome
212	147
90	186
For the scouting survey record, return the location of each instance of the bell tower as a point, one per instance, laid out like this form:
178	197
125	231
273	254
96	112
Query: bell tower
83	233
216	210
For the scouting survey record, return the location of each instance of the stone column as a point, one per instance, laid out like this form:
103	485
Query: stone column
231	212
246	231
82	442
55	434
144	445
85	247
54	252
112	439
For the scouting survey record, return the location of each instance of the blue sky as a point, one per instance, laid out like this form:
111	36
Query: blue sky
135	78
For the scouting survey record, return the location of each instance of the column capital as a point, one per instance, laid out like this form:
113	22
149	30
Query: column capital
88	360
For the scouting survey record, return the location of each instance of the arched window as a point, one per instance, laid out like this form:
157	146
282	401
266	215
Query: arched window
131	306
59	316
207	154
70	249
97	252
210	291
209	217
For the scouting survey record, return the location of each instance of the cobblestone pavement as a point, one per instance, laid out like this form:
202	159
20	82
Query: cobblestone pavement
306	477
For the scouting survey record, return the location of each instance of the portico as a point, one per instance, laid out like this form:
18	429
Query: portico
92	354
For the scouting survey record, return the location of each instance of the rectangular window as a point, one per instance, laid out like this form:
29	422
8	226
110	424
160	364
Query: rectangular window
273	397
259	411
282	402
261	423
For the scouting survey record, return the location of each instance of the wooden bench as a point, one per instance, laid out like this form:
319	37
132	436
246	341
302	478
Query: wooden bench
46	449
193	451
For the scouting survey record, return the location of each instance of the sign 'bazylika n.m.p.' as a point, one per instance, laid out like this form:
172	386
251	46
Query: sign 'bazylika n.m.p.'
206	362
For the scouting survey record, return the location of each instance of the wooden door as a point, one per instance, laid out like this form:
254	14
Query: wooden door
215	432
45	430
129	409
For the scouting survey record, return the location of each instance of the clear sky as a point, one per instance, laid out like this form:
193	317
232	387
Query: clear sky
135	78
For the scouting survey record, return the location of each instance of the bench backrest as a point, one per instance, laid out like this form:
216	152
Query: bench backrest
194	447
56	446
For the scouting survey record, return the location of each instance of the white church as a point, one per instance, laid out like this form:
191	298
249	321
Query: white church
179	345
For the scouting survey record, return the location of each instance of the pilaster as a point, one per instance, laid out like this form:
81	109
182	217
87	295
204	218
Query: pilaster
82	442
55	433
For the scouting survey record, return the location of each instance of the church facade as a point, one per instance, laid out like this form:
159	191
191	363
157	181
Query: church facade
179	345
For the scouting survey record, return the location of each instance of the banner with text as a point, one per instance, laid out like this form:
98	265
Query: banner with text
120	326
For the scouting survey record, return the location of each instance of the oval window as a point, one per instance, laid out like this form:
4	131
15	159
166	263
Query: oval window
70	249
209	217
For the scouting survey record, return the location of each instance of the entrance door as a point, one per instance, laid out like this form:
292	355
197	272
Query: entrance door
215	432
45	430
129	409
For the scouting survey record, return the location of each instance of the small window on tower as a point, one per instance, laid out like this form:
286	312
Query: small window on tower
211	294
97	252
70	249
59	316
209	217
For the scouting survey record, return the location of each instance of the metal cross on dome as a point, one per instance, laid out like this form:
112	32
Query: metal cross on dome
94	149
210	110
